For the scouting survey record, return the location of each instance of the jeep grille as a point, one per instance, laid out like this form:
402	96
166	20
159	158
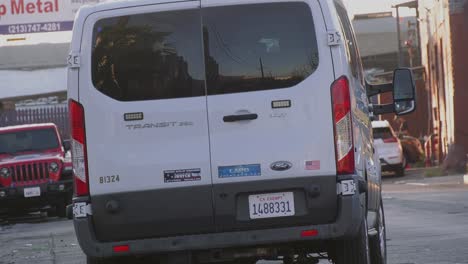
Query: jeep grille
32	172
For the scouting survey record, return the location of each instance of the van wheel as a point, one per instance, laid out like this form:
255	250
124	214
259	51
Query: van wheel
354	250
378	243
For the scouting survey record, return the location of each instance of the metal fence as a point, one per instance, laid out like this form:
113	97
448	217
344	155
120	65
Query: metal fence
55	114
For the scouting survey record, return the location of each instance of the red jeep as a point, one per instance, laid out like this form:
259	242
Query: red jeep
35	169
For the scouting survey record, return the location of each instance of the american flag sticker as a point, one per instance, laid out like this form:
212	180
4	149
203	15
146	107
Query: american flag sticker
312	165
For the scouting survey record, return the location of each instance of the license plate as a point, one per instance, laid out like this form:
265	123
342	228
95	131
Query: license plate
271	205
32	192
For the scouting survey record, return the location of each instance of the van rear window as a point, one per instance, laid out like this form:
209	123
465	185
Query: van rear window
149	56
245	47
258	46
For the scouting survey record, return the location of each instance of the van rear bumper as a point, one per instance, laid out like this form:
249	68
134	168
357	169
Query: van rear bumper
349	217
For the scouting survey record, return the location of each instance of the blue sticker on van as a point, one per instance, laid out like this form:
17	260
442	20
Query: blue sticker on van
239	171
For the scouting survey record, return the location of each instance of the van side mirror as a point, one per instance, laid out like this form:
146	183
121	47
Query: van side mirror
66	145
404	94
404	90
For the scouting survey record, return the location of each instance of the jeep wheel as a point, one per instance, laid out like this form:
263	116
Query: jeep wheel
378	243
61	208
354	250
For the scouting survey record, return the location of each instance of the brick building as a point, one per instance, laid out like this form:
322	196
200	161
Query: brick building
444	42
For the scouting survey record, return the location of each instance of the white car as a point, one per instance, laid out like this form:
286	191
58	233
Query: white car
214	130
388	147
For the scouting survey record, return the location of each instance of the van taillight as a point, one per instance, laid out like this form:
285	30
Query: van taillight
78	148
343	126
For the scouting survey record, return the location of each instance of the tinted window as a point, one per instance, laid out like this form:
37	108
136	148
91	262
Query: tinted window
31	140
149	56
258	47
382	133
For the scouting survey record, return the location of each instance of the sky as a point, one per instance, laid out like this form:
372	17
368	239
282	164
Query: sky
354	7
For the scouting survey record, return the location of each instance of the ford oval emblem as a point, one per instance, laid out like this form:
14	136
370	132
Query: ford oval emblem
281	166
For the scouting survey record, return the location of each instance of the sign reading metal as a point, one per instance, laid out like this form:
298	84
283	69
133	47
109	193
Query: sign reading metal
37	16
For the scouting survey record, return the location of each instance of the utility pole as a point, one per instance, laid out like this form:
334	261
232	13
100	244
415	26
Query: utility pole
261	68
400	53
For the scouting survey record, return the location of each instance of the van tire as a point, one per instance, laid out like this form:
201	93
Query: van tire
378	243
354	250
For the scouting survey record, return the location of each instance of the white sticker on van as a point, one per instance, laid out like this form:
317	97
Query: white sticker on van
74	60
182	175
334	38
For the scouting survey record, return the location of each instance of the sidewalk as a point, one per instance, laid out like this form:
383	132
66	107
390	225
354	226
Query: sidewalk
417	181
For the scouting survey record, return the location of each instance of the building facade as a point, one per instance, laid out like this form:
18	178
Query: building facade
33	72
377	36
444	41
383	49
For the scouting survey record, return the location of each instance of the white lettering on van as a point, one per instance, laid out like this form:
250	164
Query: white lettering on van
239	170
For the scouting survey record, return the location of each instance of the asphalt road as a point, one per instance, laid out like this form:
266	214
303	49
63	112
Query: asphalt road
427	223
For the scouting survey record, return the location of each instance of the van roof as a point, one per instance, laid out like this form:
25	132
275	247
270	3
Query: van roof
121	4
384	123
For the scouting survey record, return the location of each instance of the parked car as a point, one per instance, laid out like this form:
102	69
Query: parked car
388	147
223	131
34	171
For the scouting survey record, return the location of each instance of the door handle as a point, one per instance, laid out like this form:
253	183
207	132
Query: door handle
243	117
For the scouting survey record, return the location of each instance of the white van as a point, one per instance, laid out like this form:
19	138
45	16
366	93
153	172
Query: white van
219	130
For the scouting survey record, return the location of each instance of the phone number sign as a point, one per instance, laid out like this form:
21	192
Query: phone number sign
37	16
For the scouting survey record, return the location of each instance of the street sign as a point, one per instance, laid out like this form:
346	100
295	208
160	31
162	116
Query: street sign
38	16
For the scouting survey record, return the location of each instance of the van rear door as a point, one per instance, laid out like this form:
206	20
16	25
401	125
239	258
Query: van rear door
270	115
142	87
